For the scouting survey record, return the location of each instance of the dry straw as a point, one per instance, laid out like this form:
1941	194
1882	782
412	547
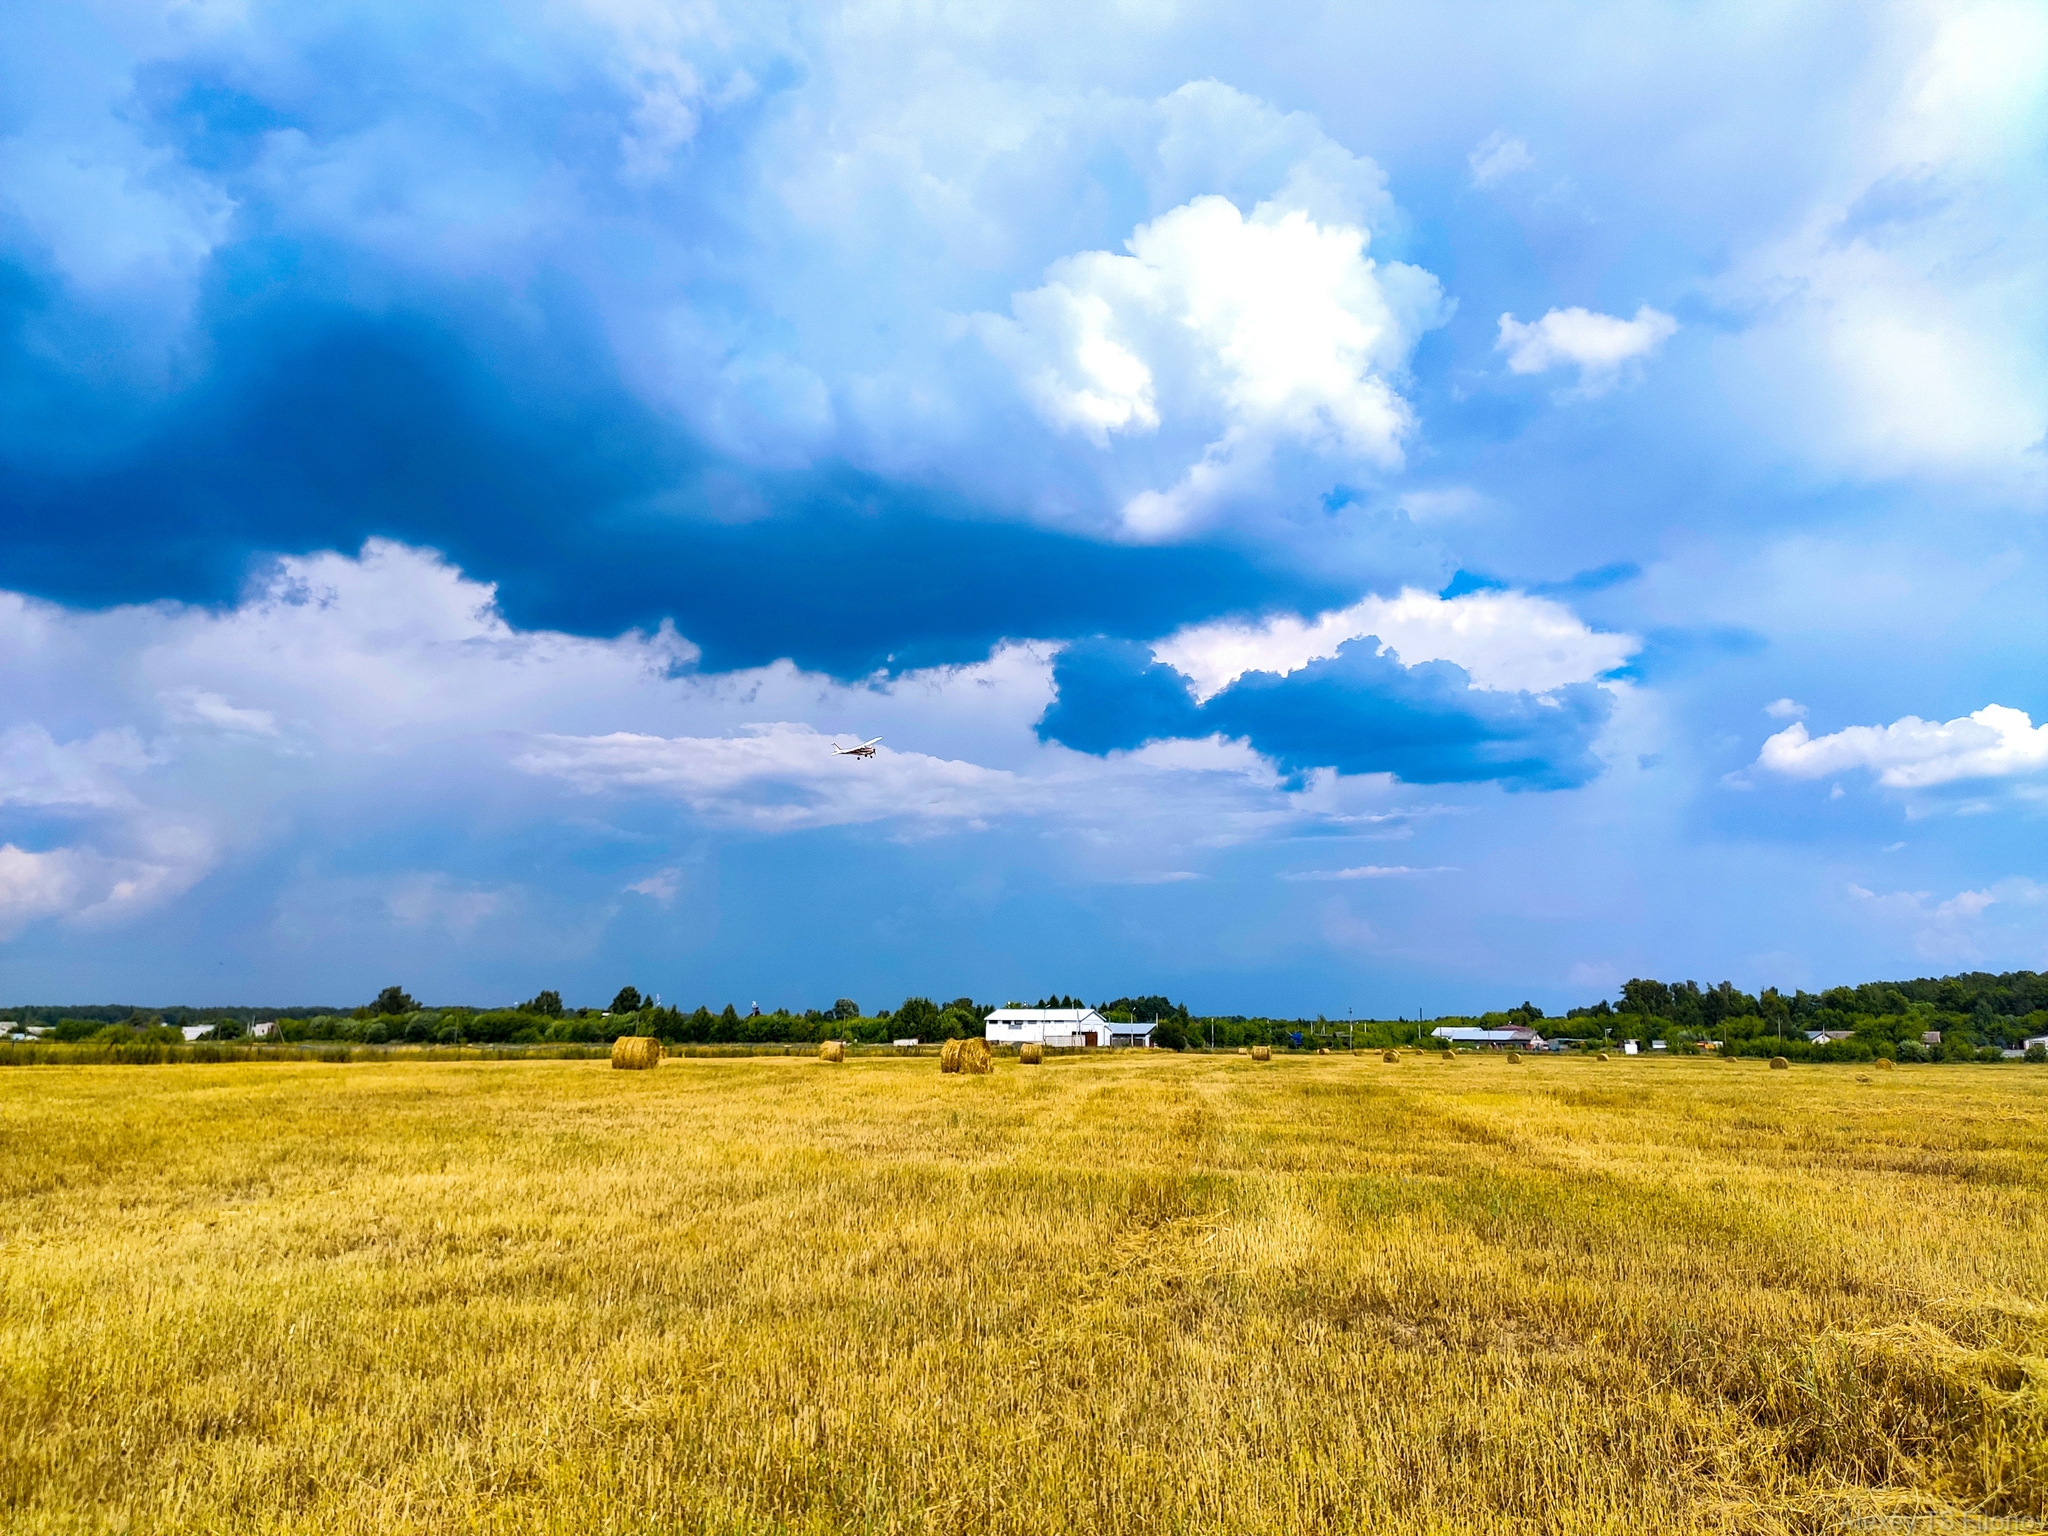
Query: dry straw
1514	1055
1780	1064
1031	1054
969	1056
832	1050
1388	1056
1262	1053
636	1053
1884	1063
1603	1055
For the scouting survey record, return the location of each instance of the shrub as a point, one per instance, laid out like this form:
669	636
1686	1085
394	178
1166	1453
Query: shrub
2037	1052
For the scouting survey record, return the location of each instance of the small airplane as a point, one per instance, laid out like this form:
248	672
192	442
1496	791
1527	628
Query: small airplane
865	749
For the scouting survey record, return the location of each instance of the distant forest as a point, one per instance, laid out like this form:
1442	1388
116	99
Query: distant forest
1977	1016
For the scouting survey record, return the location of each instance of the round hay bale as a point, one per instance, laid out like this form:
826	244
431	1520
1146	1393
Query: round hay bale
1603	1055
1262	1053
1322	1050
832	1050
949	1056
1514	1055
975	1058
1243	1050
1389	1056
636	1053
1031	1053
1780	1064
1884	1064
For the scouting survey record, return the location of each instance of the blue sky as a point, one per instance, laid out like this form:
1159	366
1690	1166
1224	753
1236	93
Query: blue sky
1380	508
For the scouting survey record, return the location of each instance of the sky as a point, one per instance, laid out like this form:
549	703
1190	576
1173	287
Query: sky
1364	509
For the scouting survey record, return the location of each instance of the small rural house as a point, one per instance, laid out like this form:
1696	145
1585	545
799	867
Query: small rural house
1827	1036
1061	1028
193	1032
264	1030
1516	1039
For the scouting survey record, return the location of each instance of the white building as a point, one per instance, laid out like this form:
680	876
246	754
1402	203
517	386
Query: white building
1061	1028
1495	1039
196	1031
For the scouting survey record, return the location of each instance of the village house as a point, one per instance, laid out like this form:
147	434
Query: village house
1518	1038
1061	1029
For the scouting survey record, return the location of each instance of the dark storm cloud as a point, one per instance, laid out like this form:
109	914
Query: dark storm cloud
1357	712
529	466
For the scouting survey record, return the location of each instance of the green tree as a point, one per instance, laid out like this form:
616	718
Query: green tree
394	1000
1145	1009
846	1008
548	1004
1651	998
627	1001
918	1016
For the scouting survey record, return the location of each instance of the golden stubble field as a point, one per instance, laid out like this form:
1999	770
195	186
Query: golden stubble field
1140	1293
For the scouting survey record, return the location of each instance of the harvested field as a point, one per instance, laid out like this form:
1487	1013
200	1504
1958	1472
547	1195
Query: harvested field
1139	1293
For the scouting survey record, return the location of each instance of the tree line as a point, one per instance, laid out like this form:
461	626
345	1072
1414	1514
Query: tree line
1977	1015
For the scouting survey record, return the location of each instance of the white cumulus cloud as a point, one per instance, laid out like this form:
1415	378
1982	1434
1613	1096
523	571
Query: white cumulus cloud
1598	345
356	697
1249	332
1508	641
1994	742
